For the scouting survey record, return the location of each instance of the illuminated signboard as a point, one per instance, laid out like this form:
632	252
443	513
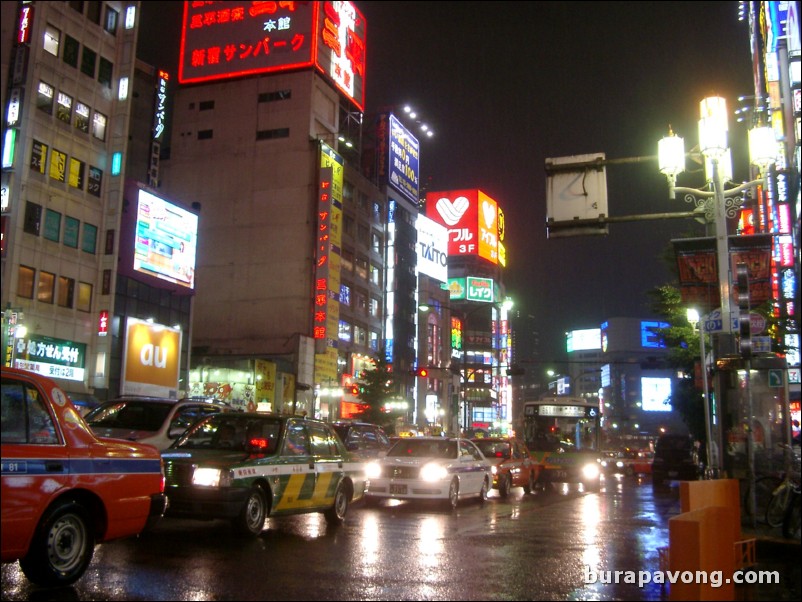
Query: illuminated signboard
165	240
55	358
656	394
321	301
649	335
223	40
581	340
479	289
432	248
472	221
403	154
562	411
151	360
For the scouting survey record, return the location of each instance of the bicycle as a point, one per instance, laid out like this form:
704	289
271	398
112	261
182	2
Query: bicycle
782	494
792	519
765	486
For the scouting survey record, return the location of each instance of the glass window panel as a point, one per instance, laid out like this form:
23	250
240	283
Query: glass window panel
99	126
89	243
52	39
45	95
64	107
25	279
111	20
84	297
71	50
105	72
77	170
66	291
71	228
58	165
52	229
81	120
47	283
88	62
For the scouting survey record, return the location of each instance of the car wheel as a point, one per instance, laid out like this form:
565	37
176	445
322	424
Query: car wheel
62	546
530	484
504	485
453	494
483	491
251	519
336	514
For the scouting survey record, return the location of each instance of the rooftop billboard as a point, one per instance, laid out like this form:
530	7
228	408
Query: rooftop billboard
223	40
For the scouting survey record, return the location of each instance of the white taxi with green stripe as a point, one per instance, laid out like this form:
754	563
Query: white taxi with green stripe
247	467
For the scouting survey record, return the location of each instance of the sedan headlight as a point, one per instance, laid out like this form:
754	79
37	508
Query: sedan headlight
211	477
373	470
433	472
590	471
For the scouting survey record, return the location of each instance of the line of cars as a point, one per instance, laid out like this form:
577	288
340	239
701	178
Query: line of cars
70	482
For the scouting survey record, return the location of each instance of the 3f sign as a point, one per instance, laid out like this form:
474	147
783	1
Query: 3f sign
152	355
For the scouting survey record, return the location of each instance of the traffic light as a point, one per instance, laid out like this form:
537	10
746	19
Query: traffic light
422	372
354	390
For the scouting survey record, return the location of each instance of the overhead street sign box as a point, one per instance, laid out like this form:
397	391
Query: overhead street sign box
576	191
714	324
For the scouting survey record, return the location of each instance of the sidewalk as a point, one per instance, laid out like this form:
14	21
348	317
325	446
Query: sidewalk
773	553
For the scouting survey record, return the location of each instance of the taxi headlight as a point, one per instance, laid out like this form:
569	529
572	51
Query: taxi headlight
494	469
211	477
590	471
373	470
433	472
619	464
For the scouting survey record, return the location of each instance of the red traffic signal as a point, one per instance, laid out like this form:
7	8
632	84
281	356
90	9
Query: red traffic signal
354	390
422	372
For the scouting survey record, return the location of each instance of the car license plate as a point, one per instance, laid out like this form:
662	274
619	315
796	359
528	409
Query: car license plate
398	489
561	474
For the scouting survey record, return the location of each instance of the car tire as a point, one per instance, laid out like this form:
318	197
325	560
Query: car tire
483	491
504	485
251	519
453	494
336	514
61	548
530	484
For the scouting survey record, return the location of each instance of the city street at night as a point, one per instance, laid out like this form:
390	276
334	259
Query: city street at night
528	547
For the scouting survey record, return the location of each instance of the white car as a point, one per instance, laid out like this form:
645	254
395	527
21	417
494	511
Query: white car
430	468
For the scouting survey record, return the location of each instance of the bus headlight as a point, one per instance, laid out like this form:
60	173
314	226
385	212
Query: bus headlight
590	472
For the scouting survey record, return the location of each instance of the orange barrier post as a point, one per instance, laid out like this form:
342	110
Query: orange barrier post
701	544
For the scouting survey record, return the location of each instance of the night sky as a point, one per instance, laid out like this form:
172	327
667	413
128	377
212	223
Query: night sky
506	85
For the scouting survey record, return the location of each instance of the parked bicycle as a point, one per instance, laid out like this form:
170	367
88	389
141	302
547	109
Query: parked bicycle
782	494
792	520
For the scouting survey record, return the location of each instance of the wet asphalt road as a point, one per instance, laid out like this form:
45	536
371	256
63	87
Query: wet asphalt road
528	547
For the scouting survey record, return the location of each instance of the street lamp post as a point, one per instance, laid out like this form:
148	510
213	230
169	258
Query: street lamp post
712	450
719	203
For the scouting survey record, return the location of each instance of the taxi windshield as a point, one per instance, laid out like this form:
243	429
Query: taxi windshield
494	449
422	448
234	433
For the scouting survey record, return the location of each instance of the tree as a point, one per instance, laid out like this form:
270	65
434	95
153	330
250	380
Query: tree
375	388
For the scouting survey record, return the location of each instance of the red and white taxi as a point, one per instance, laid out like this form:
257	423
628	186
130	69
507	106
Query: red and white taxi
63	489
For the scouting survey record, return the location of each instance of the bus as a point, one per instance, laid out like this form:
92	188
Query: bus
563	435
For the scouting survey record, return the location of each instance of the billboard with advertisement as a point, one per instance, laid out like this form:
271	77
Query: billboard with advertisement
432	248
223	40
158	240
398	156
51	357
151	359
472	221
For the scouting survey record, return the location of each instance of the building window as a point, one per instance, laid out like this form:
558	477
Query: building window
72	227
362	234
88	62
71	50
47	284
95	181
374	340
52	225
344	332
272	134
33	218
89	243
93	9
25	278
44	97
77	6
376	242
360	335
99	126
84	297
348	225
205	134
81	117
52	39
64	107
345	295
77	173
361	265
206	105
347	260
58	165
38	161
111	20
66	291
105	72
375	307
274	96
375	274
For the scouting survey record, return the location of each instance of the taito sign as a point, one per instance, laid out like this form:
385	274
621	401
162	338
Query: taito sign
472	221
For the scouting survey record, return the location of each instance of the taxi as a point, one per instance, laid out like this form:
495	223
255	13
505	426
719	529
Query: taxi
246	467
513	465
63	488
